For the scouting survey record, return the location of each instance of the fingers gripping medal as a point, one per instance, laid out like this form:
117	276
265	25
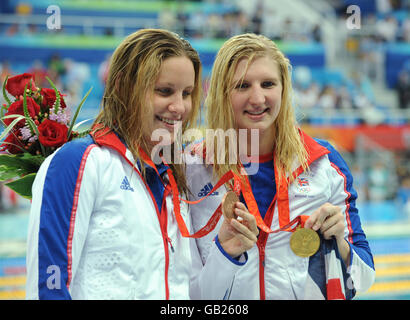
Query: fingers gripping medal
304	242
228	205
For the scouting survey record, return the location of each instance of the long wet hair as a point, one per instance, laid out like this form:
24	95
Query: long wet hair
288	145
133	71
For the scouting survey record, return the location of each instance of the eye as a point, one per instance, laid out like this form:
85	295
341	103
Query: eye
164	91
268	84
242	85
186	93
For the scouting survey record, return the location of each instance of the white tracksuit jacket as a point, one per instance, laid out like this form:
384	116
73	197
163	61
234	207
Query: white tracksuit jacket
95	233
273	271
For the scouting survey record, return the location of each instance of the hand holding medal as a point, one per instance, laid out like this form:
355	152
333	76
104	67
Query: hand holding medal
305	241
239	231
329	220
228	205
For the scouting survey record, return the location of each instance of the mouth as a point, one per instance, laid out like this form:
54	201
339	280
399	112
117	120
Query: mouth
170	122
257	114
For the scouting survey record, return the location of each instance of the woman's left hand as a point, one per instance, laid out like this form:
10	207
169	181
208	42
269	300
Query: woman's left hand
329	220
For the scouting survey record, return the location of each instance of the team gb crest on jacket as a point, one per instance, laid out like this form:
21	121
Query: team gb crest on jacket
303	184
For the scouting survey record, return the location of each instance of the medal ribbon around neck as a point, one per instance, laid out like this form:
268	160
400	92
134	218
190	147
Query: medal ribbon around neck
281	198
284	221
172	188
238	186
303	242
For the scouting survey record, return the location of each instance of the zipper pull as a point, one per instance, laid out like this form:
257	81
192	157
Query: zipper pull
170	244
261	254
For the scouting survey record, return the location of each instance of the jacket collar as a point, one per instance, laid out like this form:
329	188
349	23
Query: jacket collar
314	149
108	138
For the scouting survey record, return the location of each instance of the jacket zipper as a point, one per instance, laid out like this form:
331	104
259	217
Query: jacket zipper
261	243
170	244
165	238
163	220
261	248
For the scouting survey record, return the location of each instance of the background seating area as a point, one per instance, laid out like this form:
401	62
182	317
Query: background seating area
343	79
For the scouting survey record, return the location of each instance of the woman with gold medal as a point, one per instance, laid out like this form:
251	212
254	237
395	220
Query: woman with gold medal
311	244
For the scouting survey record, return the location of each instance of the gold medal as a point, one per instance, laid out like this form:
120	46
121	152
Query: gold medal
228	204
304	242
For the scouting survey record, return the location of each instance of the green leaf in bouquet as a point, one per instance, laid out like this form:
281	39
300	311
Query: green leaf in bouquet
36	160
78	125
23	185
4	91
3	110
17	117
29	120
57	102
22	164
76	113
7	173
25	109
15	145
83	133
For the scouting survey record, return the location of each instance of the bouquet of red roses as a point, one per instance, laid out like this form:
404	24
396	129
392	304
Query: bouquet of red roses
36	123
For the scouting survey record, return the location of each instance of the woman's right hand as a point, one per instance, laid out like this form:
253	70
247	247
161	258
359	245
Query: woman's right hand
238	235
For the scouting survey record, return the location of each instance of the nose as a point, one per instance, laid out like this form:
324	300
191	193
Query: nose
256	97
177	105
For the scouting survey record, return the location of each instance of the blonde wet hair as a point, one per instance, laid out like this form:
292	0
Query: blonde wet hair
134	68
288	144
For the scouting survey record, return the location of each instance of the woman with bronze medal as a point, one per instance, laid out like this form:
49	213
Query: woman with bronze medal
107	222
311	244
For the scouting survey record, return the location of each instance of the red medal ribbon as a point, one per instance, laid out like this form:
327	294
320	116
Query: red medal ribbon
172	188
282	200
239	185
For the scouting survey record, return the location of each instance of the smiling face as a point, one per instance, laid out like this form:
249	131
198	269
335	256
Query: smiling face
256	96
172	96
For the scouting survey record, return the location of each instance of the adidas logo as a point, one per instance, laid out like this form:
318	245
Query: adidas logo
125	185
206	189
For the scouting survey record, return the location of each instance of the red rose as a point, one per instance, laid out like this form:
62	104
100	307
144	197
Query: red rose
12	148
49	97
15	85
52	134
17	108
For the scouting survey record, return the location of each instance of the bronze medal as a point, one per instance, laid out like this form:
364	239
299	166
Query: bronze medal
228	205
304	242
